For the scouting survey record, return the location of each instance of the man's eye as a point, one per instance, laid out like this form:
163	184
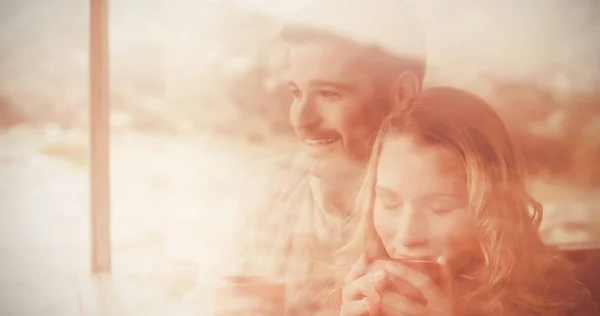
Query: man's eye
329	94
296	93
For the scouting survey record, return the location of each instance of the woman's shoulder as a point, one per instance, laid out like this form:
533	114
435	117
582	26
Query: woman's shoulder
578	299
565	293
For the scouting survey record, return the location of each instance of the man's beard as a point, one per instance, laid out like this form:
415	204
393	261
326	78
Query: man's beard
356	148
336	167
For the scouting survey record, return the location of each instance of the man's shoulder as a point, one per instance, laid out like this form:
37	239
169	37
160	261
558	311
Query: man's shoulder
281	163
276	173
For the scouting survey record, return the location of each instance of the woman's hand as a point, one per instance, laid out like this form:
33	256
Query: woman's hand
439	298
360	294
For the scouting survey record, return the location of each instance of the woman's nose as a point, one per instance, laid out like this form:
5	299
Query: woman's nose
412	232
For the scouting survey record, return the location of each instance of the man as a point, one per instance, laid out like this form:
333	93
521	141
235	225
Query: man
344	82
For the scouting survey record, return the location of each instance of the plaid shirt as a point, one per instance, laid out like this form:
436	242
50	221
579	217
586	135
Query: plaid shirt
282	233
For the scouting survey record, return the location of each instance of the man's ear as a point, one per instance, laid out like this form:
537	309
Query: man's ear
405	89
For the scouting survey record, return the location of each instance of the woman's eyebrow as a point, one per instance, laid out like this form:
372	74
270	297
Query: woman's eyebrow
383	190
443	196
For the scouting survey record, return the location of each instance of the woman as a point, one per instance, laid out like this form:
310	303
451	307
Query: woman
445	182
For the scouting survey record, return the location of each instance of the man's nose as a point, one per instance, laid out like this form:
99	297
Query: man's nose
304	113
412	231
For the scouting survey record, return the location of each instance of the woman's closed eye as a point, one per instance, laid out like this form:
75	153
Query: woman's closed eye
389	204
443	209
387	199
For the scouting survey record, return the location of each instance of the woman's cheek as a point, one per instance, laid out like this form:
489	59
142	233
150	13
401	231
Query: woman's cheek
447	230
384	226
454	234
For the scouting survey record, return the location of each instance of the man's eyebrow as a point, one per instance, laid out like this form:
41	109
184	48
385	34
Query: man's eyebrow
333	84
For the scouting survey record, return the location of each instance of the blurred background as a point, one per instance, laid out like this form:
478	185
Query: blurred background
197	97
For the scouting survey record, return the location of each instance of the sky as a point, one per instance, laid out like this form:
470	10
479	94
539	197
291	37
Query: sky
550	41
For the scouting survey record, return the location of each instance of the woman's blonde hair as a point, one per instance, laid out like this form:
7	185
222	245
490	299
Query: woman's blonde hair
517	271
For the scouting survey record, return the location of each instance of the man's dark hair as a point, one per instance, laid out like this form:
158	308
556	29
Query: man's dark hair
385	65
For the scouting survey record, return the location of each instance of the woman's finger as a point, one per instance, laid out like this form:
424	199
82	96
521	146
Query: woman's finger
446	276
356	308
358	269
424	283
396	304
365	285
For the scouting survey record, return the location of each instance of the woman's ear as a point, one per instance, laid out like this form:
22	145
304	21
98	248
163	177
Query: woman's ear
405	89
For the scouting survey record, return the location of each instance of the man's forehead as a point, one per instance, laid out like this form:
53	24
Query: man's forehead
324	61
327	48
